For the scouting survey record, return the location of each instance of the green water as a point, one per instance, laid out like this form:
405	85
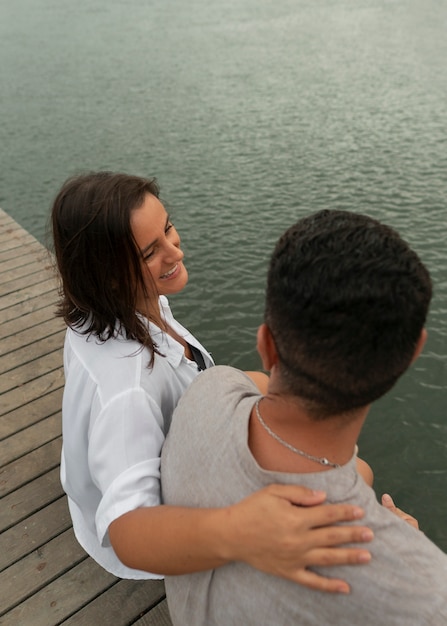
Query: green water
251	113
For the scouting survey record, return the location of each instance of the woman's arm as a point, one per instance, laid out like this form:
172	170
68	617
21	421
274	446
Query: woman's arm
277	530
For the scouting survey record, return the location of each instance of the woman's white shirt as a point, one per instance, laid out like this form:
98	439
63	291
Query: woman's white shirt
115	416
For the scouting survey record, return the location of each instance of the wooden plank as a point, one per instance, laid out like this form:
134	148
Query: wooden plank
30	498
19	270
32	326
30	438
12	259
61	598
36	463
14	247
21	279
46	285
32	390
5	226
30	413
5	218
31	282
36	326
26	307
158	616
14	237
34	319
34	276
20	352
15	241
125	601
32	371
25	577
34	532
45	576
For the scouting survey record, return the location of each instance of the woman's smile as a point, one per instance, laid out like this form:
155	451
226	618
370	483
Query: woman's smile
159	245
172	273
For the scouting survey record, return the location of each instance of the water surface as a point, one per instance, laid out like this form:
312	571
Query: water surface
251	113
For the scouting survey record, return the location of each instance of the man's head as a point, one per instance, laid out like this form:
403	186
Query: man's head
346	303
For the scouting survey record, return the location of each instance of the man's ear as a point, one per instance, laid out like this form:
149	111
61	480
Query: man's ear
266	347
420	344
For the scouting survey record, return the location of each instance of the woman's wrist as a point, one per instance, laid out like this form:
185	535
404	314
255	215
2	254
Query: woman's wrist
220	529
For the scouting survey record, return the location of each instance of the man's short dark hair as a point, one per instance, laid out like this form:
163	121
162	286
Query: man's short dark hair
346	302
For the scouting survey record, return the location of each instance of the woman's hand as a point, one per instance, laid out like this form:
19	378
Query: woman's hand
279	530
387	502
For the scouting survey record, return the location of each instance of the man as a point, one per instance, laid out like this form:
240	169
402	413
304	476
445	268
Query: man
346	305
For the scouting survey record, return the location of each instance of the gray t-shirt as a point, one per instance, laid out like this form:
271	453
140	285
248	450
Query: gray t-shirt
206	461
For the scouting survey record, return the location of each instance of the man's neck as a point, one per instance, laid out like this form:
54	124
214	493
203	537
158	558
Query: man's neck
332	438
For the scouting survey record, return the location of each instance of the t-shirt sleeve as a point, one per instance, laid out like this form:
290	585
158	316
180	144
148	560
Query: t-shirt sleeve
200	435
124	457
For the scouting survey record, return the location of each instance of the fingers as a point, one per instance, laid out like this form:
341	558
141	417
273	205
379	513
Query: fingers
320	515
388	503
325	557
302	496
329	514
321	583
296	494
284	539
338	535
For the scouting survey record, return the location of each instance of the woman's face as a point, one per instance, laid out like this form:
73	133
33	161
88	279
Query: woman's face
159	245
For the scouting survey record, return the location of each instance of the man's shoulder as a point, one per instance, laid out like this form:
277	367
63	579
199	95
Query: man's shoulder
203	437
217	391
218	381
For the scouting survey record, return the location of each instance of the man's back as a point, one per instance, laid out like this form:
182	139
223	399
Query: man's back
206	462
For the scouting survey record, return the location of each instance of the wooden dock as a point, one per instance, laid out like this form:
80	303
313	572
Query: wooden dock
45	576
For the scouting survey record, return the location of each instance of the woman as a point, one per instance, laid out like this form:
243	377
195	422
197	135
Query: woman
127	362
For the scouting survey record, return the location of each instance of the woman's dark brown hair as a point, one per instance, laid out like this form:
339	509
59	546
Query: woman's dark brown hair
97	257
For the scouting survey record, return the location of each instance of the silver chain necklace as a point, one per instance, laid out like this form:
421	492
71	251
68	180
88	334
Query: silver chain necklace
322	460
